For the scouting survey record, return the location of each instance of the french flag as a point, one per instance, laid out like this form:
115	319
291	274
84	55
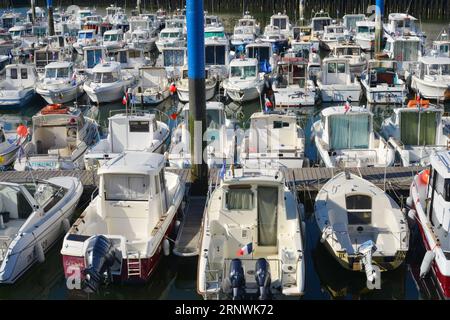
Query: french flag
247	249
125	99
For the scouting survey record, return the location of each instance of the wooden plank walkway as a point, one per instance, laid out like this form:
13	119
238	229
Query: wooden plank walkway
188	240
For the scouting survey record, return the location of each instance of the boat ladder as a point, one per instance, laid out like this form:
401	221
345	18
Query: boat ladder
134	267
213	285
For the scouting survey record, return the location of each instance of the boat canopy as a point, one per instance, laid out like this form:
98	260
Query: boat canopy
349	130
418	127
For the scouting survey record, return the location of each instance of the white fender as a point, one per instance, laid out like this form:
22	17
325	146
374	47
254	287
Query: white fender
39	252
412	214
166	247
426	263
409	202
177	225
66	225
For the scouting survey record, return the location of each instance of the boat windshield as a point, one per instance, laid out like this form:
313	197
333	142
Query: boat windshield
366	29
418	128
170	35
260	53
439	69
106	77
319	24
85	35
111	37
57	73
243	72
406	50
214	34
17	206
47	195
119	187
213	119
349	131
215	55
239	198
442	186
348	51
280	23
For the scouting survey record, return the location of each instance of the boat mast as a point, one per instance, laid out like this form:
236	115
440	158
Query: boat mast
301	8
33	11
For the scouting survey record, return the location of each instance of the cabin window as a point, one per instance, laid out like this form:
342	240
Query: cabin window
280	124
93	57
442	186
126	187
134	54
359	209
173	58
215	55
13	73
349	131
332	68
280	23
139	126
433	69
259	53
213	119
341	67
111	37
239	198
411	133
214	34
23	73
267	216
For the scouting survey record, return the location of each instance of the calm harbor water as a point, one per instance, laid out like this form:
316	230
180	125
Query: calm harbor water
175	277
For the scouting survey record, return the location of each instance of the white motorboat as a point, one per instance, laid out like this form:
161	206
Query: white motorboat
217	52
131	131
361	226
33	218
220	136
92	56
441	46
113	39
10	140
142	33
129	58
170	37
275	38
333	35
244	82
125	229
336	83
381	83
431	78
292	87
273	140
406	50
318	23
182	86
416	132
109	82
60	83
9	19
263	52
245	31
60	136
152	87
281	21
352	52
244	254
403	24
344	137
17	89
86	38
429	201
350	23
365	34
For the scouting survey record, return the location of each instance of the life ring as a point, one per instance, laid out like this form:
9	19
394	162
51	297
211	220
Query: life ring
423	103
55	108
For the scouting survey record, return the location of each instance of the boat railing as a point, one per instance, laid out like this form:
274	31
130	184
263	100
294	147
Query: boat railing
133	111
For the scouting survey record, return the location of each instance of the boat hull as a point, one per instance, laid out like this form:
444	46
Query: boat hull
61	96
339	93
17	101
106	94
433	90
183	93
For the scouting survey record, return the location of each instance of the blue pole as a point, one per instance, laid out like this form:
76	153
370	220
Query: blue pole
379	11
197	99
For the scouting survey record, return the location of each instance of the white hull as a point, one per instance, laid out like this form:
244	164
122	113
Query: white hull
340	93
183	93
172	44
63	95
385	95
294	98
10	98
429	90
365	43
106	93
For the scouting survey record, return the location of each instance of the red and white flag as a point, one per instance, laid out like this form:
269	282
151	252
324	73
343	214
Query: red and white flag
124	99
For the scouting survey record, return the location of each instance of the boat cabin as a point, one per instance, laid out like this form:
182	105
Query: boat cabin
365	27
350	20
115	35
244	69
93	55
261	51
59	70
174	57
403	49
128	57
382	72
432	68
281	21
108	72
301	49
292	71
336	71
43	57
19	75
319	21
9	20
212	21
347	50
18	32
441	47
216	53
401	24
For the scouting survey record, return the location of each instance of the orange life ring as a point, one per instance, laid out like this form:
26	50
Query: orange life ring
55	108
423	103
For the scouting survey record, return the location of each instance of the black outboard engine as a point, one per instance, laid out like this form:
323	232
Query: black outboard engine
100	257
263	280
237	279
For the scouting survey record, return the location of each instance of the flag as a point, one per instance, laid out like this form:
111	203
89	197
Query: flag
124	99
347	106
223	169
247	249
267	105
173	116
74	79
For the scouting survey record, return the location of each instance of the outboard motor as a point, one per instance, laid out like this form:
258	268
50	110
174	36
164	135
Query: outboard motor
237	279
100	257
262	277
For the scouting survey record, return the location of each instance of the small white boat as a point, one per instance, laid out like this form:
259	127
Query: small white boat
33	218
406	50
361	226
332	35
244	252
365	34
350	23
17	89
244	82
170	37
403	24
10	141
220	137
131	131
281	21
416	132
273	140
124	231
336	83
60	83
245	31
182	86
217	52
344	137
142	33
152	87
431	78
113	39
86	38
60	137
352	52
275	38
430	208
109	82
382	84
292	87
318	23
129	58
